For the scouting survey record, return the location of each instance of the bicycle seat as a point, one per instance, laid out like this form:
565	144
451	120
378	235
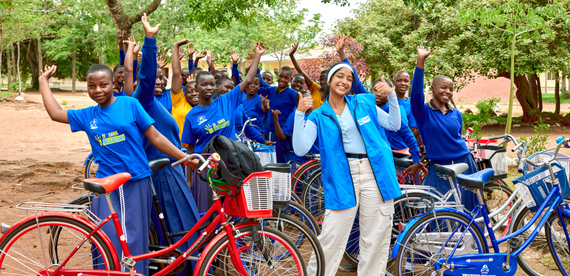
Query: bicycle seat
400	155
107	184
157	164
475	180
404	162
451	170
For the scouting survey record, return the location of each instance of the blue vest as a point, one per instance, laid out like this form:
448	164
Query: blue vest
337	181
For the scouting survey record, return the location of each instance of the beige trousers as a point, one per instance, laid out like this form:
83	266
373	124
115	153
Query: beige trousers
375	226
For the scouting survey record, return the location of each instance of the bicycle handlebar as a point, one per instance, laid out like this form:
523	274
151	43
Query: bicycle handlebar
542	163
214	159
245	124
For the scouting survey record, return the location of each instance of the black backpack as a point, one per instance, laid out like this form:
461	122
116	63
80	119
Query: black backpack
238	160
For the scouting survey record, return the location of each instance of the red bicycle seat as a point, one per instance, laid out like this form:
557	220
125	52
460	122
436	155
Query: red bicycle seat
106	185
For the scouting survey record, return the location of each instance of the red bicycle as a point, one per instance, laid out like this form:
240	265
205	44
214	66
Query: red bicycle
57	242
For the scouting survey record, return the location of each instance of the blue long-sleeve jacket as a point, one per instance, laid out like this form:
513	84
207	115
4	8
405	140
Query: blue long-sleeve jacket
405	133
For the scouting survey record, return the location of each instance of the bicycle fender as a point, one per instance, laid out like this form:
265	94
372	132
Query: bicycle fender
87	159
217	238
71	216
413	221
421	191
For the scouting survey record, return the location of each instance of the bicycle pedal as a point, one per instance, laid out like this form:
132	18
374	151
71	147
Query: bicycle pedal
128	263
514	243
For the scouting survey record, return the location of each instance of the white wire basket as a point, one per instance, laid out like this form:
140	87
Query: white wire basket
496	158
266	154
255	199
281	174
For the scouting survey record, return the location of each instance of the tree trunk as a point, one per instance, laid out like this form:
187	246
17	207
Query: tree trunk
18	68
40	57
557	93
539	94
122	20
532	88
14	73
9	69
526	99
73	59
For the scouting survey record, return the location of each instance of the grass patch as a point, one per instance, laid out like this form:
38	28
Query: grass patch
4	94
549	97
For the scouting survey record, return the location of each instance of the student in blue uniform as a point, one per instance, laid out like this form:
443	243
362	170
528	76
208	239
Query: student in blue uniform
250	131
267	77
119	81
440	127
223	86
282	98
173	192
402	85
213	117
116	128
298	82
357	169
120	90
255	106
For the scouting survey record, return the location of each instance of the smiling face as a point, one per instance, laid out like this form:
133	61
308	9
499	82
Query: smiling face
253	87
206	86
225	74
298	83
100	87
402	82
442	89
190	94
225	87
268	78
119	75
341	82
184	74
284	78
158	86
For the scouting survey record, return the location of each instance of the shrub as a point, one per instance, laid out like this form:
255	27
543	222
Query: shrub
564	94
538	142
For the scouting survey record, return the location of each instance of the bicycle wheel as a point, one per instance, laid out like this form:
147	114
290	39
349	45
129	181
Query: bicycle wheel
30	248
305	240
299	212
91	168
425	242
557	242
295	198
267	252
313	198
301	176
494	199
406	208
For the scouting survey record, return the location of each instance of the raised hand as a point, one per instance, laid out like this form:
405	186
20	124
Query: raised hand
293	48
423	53
211	59
47	73
340	43
162	60
265	102
136	50
190	50
120	38
248	62
202	54
234	56
149	30
259	49
304	103
275	114
383	87
191	78
181	53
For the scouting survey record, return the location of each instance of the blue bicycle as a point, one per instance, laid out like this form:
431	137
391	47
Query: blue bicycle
431	243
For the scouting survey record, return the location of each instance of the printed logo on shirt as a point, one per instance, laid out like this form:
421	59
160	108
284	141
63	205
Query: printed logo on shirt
364	120
202	119
110	138
210	128
93	124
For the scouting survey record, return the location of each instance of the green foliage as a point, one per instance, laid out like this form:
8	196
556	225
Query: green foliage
64	102
539	141
549	97
485	107
564	94
475	121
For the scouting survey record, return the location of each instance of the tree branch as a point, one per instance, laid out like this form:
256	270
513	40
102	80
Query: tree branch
504	30
148	10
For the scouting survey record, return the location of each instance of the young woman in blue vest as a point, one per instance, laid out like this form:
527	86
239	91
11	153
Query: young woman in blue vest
440	127
357	169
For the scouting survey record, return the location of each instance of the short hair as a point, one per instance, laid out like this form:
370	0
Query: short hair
202	75
304	93
195	70
325	72
267	72
187	86
298	75
440	77
286	69
100	68
117	68
186	70
380	79
399	72
221	80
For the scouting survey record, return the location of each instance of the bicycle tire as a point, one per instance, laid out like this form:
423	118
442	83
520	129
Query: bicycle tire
28	236
218	257
312	197
299	212
404	212
413	240
300	178
495	199
90	169
295	198
557	243
300	234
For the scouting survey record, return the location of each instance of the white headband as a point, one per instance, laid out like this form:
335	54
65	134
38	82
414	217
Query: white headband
336	68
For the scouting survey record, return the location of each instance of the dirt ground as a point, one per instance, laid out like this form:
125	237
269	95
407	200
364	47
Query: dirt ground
41	159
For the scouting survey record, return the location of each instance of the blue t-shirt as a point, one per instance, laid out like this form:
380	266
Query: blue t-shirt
288	130
250	132
204	122
408	108
283	101
252	109
116	136
164	122
165	98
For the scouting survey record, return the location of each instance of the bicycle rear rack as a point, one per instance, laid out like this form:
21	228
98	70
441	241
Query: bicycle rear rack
78	186
54	207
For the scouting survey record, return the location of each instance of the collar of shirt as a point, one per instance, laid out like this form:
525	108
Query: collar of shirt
277	91
434	107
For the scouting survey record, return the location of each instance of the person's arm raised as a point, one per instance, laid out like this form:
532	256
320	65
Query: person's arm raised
54	110
210	60
417	96
259	50
190	51
147	72
129	66
235	69
198	57
176	68
120	40
308	80
356	82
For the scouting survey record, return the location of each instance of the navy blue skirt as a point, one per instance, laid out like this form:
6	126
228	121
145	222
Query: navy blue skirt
201	191
136	219
468	198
